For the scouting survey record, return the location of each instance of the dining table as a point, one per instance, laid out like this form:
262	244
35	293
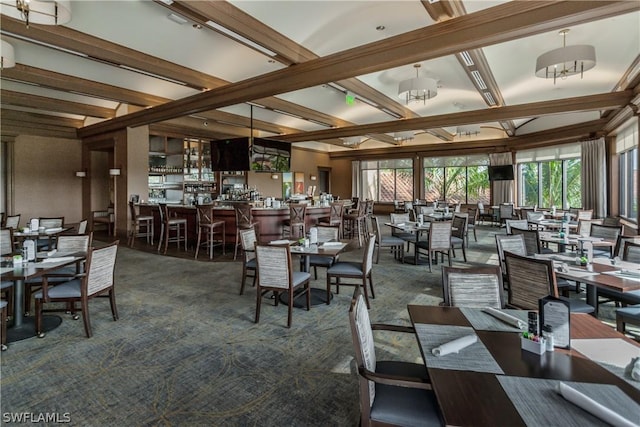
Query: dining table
23	326
573	240
416	229
495	382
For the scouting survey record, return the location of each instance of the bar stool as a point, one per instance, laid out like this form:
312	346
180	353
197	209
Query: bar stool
244	221
211	228
171	223
294	227
141	226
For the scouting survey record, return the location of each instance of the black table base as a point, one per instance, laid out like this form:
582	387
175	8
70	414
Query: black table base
28	327
318	296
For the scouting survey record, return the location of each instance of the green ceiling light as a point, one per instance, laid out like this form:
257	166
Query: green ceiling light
350	98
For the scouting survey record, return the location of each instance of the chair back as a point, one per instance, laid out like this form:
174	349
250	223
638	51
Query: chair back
297	212
326	234
244	218
205	214
611	221
472	287
425	210
364	346
529	280
441	204
460	224
274	266
164	212
82	226
531	239
606	232
584	226
133	211
506	211
631	252
12	221
6	241
248	241
74	242
368	207
584	214
408	206
440	235
517	223
509	243
398	218
54	222
367	259
481	208
534	216
336	213
100	266
473	216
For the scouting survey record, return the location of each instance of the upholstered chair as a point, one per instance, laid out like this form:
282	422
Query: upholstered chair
361	272
248	241
396	244
473	286
439	241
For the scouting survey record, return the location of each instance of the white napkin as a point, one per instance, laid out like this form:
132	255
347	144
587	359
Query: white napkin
633	369
400	224
505	317
279	242
594	408
59	259
632	273
53	230
455	346
332	244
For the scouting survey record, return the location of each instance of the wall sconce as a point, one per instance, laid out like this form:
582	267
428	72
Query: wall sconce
81	174
313	177
274	176
114	172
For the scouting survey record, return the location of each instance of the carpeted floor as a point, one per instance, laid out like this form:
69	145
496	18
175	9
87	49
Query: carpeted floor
186	351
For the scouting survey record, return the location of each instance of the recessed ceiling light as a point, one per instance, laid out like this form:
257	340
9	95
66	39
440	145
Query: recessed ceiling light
380	28
197	26
271	61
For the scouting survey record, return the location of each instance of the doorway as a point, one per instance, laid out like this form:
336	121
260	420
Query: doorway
324	180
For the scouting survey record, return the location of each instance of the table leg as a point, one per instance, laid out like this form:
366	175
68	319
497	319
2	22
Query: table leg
592	295
18	302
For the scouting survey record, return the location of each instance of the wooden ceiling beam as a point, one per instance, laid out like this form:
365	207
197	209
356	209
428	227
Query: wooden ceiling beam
498	24
35	118
21	99
577	104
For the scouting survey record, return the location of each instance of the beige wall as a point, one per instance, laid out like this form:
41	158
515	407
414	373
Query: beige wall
267	186
341	178
138	161
44	178
101	184
307	162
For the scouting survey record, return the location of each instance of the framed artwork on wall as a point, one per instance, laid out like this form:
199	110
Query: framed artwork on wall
287	185
298	183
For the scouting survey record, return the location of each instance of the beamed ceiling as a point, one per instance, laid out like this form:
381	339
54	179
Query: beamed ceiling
164	64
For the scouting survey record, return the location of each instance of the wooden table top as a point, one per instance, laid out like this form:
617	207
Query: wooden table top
473	398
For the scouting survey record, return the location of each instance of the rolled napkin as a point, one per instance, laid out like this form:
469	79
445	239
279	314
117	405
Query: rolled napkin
59	259
53	230
332	244
455	346
632	370
630	273
52	252
506	318
279	242
591	406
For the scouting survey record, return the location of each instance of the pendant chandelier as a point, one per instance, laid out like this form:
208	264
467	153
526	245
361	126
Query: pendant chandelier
45	12
418	88
565	61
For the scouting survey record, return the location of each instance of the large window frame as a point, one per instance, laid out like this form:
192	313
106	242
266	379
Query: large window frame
396	173
457	177
627	151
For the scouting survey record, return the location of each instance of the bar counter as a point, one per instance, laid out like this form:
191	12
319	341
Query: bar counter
269	219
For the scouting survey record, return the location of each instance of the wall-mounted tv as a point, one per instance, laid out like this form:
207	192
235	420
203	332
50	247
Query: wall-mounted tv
230	154
501	173
268	155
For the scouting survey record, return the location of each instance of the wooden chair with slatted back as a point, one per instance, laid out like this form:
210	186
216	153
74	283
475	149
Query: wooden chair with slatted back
477	287
439	241
248	241
244	221
294	227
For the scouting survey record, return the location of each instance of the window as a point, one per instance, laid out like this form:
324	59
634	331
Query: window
627	149
457	179
387	180
550	177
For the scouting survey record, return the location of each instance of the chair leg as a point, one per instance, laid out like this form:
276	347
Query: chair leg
308	290
290	308
3	328
366	293
112	303
244	277
429	255
258	303
464	254
85	317
373	293
198	244
38	325
328	289
235	251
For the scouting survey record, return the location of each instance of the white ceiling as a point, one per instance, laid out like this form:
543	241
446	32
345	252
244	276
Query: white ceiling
325	27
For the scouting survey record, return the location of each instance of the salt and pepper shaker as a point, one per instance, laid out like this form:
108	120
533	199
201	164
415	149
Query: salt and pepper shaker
533	323
548	336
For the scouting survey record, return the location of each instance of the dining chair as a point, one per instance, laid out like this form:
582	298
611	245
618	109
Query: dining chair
140	226
210	228
105	217
483	214
3	325
336	214
361	271
506	212
6	249
325	234
531	241
354	223
473	286
67	244
82	226
12	221
531	279
584	214
396	244
248	240
458	230
294	227
509	243
516	223
630	253
438	242
244	221
49	223
275	274
96	282
606	232
611	221
471	225
584	226
171	223
401	218
392	392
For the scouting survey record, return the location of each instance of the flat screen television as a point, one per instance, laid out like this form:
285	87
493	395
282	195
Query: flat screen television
501	173
268	155
230	154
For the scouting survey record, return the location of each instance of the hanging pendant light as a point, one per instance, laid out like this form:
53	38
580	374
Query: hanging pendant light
418	88
565	61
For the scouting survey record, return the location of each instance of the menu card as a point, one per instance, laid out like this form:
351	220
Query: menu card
555	312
